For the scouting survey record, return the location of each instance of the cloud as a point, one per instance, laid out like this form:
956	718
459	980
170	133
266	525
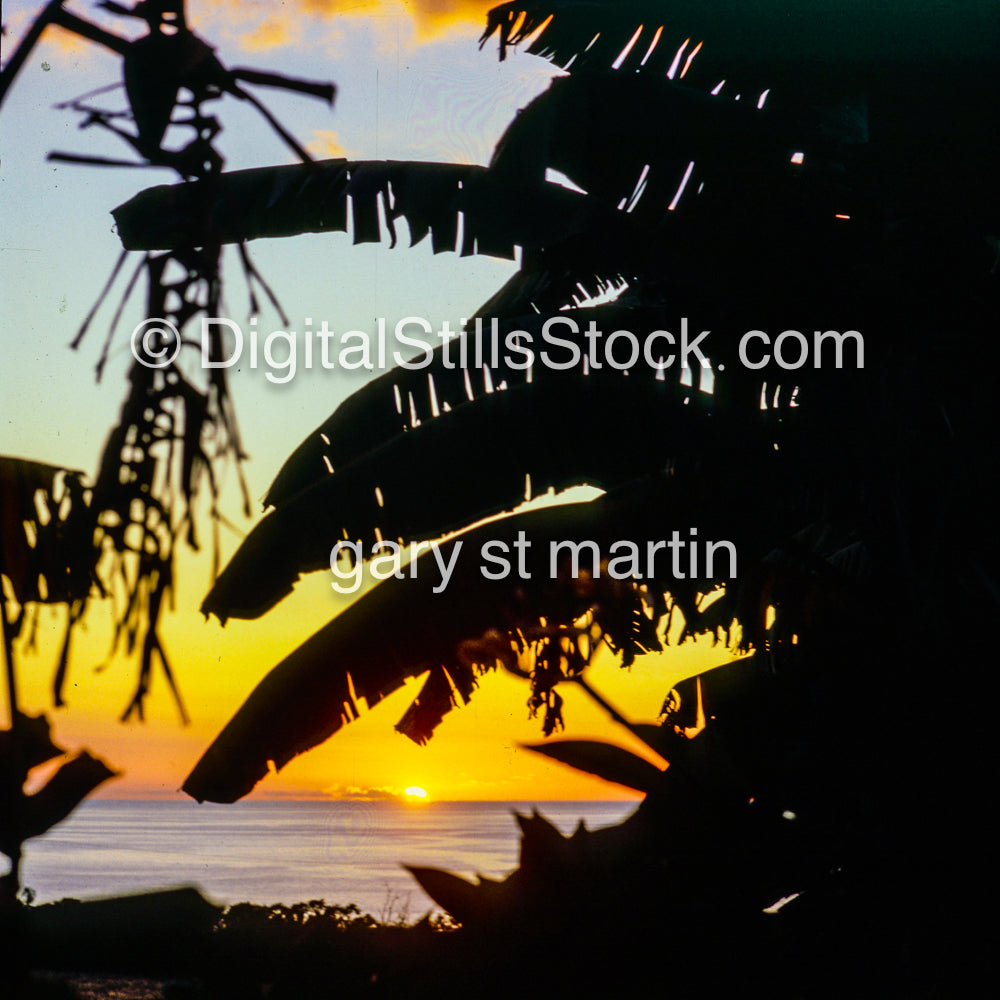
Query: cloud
431	17
272	33
355	793
325	144
56	42
260	27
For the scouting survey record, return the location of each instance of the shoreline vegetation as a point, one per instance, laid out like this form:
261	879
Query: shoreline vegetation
174	944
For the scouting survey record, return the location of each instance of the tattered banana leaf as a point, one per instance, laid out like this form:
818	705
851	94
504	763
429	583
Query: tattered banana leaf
857	71
46	532
557	434
402	404
656	123
54	529
605	760
401	399
473	624
509	204
467	627
287	200
452	381
807	33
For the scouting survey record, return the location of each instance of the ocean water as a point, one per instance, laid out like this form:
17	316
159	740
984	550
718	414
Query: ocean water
287	851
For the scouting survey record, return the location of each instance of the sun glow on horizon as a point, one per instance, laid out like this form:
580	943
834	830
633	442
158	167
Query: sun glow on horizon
415	793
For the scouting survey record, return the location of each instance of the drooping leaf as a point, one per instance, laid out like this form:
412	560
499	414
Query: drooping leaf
468	371
283	201
555	433
46	532
510	203
355	659
466	627
288	200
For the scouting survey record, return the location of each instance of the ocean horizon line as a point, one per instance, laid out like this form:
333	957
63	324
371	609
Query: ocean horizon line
178	797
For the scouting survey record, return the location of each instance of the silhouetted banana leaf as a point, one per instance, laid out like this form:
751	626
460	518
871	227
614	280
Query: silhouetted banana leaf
509	204
443	384
589	35
605	760
399	400
866	84
467	627
283	201
474	623
656	124
558	130
46	532
555	434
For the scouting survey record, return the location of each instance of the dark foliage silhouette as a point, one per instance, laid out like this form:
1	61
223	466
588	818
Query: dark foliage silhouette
172	433
46	557
793	172
747	171
23	747
66	540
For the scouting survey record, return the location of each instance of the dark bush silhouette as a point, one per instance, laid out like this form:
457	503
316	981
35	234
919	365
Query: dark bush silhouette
65	540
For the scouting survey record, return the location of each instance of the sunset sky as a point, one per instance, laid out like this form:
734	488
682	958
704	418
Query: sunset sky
412	85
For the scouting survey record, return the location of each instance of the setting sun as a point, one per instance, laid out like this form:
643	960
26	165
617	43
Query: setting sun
415	792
